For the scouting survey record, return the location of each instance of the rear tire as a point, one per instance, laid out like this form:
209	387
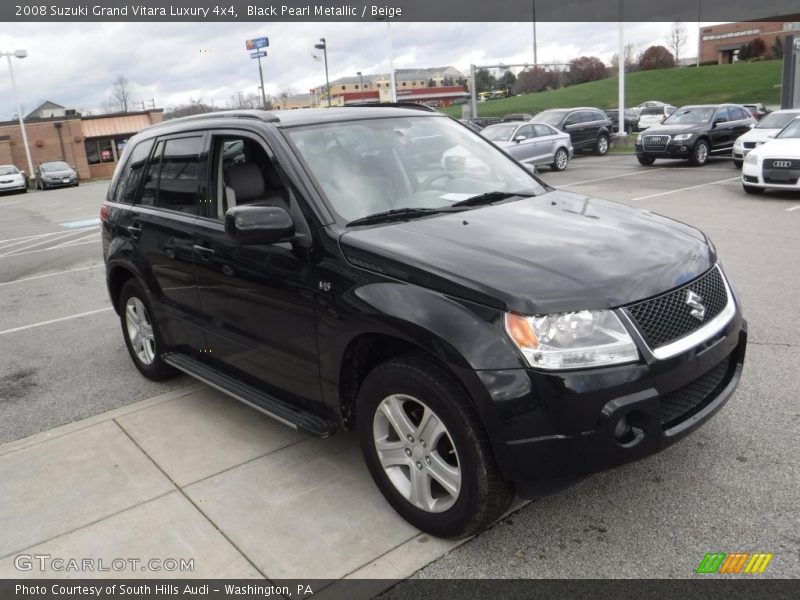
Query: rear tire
752	189
699	155
141	332
645	159
560	160
448	486
601	147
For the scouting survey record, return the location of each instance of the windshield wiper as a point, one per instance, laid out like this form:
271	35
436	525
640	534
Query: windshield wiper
488	198
398	214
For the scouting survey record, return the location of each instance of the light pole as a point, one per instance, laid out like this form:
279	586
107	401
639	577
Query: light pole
361	77
391	61
20	54
324	47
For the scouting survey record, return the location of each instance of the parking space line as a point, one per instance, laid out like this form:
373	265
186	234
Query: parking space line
16	254
684	189
37	236
76	241
59	320
2	283
609	177
793	208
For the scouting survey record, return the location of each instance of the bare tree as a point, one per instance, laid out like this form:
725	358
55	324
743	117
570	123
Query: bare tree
240	100
120	97
630	56
676	39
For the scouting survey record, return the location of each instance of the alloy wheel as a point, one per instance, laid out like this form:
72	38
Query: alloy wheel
140	330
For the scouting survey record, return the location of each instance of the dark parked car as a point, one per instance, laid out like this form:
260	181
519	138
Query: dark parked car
695	133
517	117
589	128
483	332
55	173
631	120
469	124
484	121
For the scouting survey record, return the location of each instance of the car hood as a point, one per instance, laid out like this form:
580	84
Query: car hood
780	148
60	173
676	128
559	251
757	135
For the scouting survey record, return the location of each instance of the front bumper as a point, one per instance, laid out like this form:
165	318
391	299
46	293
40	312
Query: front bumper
754	175
51	183
561	427
11	187
672	150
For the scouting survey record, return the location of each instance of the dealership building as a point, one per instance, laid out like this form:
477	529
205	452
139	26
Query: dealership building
91	144
721	43
438	86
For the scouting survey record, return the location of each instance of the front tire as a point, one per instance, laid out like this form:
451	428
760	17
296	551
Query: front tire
645	159
738	164
752	189
427	451
699	154
560	160
142	335
601	147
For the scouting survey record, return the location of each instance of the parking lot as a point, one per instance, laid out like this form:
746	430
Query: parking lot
732	486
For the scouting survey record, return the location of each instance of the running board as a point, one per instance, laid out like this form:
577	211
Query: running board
269	405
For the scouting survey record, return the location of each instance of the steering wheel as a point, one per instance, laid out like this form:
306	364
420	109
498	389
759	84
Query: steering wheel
427	183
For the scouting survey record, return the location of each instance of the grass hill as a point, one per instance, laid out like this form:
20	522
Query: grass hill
739	82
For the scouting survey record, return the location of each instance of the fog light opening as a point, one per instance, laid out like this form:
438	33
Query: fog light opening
628	431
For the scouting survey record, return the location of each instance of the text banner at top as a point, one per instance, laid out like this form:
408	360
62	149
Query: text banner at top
542	11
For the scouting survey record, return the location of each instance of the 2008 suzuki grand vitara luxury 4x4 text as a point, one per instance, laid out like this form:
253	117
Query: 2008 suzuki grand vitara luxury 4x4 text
387	269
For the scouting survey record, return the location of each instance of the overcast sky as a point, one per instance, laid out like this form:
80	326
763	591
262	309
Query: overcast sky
75	64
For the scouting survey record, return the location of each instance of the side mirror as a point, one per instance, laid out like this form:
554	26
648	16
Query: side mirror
251	225
519	138
718	122
22	172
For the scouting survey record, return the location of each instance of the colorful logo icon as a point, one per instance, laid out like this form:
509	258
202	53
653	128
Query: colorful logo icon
734	563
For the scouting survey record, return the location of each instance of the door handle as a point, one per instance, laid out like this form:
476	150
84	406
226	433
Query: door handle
134	230
204	251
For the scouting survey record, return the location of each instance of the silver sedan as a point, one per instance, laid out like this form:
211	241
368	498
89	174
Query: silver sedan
532	143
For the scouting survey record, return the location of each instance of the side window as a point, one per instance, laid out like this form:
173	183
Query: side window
182	171
572	119
742	114
525	131
542	130
132	173
598	116
243	173
722	116
150	188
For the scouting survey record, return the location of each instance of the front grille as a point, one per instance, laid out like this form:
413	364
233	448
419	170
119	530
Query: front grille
749	145
668	317
680	404
781	163
656	143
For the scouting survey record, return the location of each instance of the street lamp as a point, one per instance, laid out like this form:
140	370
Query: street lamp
361	77
19	54
324	47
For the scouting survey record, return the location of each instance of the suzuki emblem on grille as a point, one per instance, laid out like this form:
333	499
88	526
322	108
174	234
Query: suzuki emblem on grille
695	302
781	164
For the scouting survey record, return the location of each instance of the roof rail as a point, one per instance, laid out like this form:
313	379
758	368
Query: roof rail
261	115
411	105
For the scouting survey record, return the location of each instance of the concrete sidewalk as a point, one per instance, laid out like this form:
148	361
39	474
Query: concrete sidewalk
193	474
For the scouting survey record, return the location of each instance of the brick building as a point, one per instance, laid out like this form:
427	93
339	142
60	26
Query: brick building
92	144
721	43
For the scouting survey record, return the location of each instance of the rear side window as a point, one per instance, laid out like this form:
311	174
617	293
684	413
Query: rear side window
128	183
175	174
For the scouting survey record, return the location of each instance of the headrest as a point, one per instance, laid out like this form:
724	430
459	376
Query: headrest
246	181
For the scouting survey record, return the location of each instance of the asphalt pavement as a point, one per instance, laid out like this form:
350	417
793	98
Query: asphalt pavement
731	486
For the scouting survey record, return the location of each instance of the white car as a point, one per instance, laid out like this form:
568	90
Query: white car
765	129
12	179
654	115
774	164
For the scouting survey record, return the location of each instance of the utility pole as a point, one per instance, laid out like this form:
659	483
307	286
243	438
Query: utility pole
20	54
324	47
535	61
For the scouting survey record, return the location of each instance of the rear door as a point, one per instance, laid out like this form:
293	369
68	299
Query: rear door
578	127
160	226
545	143
722	131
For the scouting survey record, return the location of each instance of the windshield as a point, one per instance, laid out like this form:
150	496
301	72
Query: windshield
55	166
8	170
692	114
777	120
792	130
499	133
551	117
376	165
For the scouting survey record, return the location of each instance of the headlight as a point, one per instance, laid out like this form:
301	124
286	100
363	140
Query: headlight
737	143
574	340
682	137
639	138
751	159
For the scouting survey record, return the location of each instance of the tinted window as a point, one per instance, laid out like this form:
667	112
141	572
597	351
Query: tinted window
182	168
526	131
653	110
722	115
132	174
542	130
690	114
598	116
150	190
573	119
742	114
777	120
586	116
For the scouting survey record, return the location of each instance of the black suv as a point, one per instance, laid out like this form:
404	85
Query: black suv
388	270
695	133
589	128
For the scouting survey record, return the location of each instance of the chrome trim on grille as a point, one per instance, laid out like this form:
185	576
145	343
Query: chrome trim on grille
656	144
698	336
